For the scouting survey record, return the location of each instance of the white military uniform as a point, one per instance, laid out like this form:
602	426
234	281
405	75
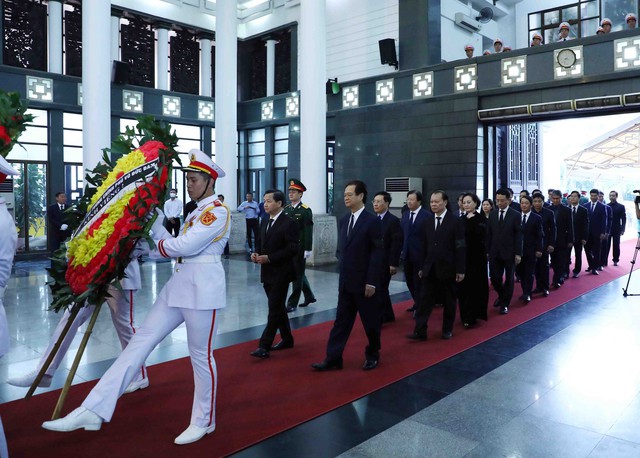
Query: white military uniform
121	307
192	295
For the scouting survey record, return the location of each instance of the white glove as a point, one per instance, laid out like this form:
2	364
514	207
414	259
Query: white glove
2	288
64	227
158	223
307	254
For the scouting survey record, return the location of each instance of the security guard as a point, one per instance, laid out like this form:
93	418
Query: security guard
303	216
630	19
564	30
468	50
192	296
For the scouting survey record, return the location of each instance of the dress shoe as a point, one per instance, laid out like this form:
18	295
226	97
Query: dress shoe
496	303
80	418
193	433
446	335
545	293
556	285
137	385
615	263
28	379
595	272
576	275
525	298
417	336
307	302
282	345
327	365
470	324
504	310
369	364
413	308
600	269
260	353
291	308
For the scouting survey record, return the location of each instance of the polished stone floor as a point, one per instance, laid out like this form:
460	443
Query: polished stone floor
565	384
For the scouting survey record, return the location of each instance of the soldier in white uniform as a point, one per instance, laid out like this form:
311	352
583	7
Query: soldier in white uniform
8	244
121	307
198	248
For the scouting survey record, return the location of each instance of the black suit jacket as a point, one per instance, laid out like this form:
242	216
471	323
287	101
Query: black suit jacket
597	219
580	224
56	220
393	238
504	239
281	245
360	253
444	248
619	218
413	244
548	226
564	226
532	235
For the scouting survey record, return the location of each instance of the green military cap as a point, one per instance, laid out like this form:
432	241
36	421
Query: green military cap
297	185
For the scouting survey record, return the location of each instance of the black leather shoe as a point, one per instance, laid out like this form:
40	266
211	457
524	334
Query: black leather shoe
525	298
260	353
595	272
447	335
557	285
417	336
545	293
291	308
282	345
575	275
369	364
412	308
327	365
306	303
504	310
615	263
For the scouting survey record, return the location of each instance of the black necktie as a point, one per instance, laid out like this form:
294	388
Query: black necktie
501	215
524	219
350	225
269	224
412	215
593	207
438	218
574	211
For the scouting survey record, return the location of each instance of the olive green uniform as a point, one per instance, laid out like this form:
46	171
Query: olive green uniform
303	216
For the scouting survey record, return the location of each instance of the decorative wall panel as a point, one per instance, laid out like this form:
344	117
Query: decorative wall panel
73	41
185	62
25	34
138	49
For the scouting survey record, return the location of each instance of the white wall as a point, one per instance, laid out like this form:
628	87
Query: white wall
190	12
353	30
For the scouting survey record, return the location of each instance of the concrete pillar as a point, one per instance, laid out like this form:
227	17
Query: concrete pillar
96	81
226	111
115	34
55	36
312	75
271	67
205	64
162	56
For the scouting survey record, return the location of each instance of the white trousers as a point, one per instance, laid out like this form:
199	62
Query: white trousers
161	320
121	307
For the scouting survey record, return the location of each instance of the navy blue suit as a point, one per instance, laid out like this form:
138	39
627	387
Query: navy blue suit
580	221
504	243
542	264
597	227
532	243
618	224
360	255
393	238
564	238
413	249
604	244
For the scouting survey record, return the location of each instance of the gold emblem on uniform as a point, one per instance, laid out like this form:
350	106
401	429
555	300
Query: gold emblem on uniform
292	182
192	158
208	218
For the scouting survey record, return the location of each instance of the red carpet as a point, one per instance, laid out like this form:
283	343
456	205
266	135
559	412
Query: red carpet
260	398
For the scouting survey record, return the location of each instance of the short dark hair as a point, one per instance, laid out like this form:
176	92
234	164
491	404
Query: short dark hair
556	193
504	192
535	191
594	191
445	197
461	195
600	193
249	192
510	191
490	202
173	189
220	195
361	188
59	193
526	193
385	195
615	192
550	190
537	195
574	192
278	195
527	198
418	194
474	197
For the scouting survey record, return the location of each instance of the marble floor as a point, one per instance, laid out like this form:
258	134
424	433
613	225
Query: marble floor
565	384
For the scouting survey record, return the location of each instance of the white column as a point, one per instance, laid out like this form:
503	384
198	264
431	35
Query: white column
115	36
55	36
271	67
312	75
162	58
226	110
205	66
96	81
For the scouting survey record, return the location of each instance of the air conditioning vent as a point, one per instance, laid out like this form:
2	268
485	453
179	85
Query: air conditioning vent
467	22
398	187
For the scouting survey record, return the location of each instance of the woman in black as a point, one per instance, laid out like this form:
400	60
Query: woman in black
473	291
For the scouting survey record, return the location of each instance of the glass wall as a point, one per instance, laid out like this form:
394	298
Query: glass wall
280	157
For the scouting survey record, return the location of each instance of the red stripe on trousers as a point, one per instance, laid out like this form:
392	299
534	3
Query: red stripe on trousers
209	357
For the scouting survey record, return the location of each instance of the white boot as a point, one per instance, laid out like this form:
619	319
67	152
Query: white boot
28	379
78	419
194	433
140	384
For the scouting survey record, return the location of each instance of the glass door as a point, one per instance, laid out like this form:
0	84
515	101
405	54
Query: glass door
30	191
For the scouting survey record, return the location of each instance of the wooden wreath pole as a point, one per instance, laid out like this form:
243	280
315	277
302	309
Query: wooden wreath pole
54	351
76	363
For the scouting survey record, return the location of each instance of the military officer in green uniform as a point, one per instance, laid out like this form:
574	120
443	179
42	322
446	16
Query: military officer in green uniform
303	216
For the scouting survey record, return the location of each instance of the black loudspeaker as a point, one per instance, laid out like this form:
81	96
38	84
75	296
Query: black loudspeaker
388	52
120	72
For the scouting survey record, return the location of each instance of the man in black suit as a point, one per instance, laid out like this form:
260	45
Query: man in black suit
360	254
58	229
532	239
504	247
580	218
618	225
597	231
412	223
564	239
444	265
604	244
549	228
276	249
392	236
